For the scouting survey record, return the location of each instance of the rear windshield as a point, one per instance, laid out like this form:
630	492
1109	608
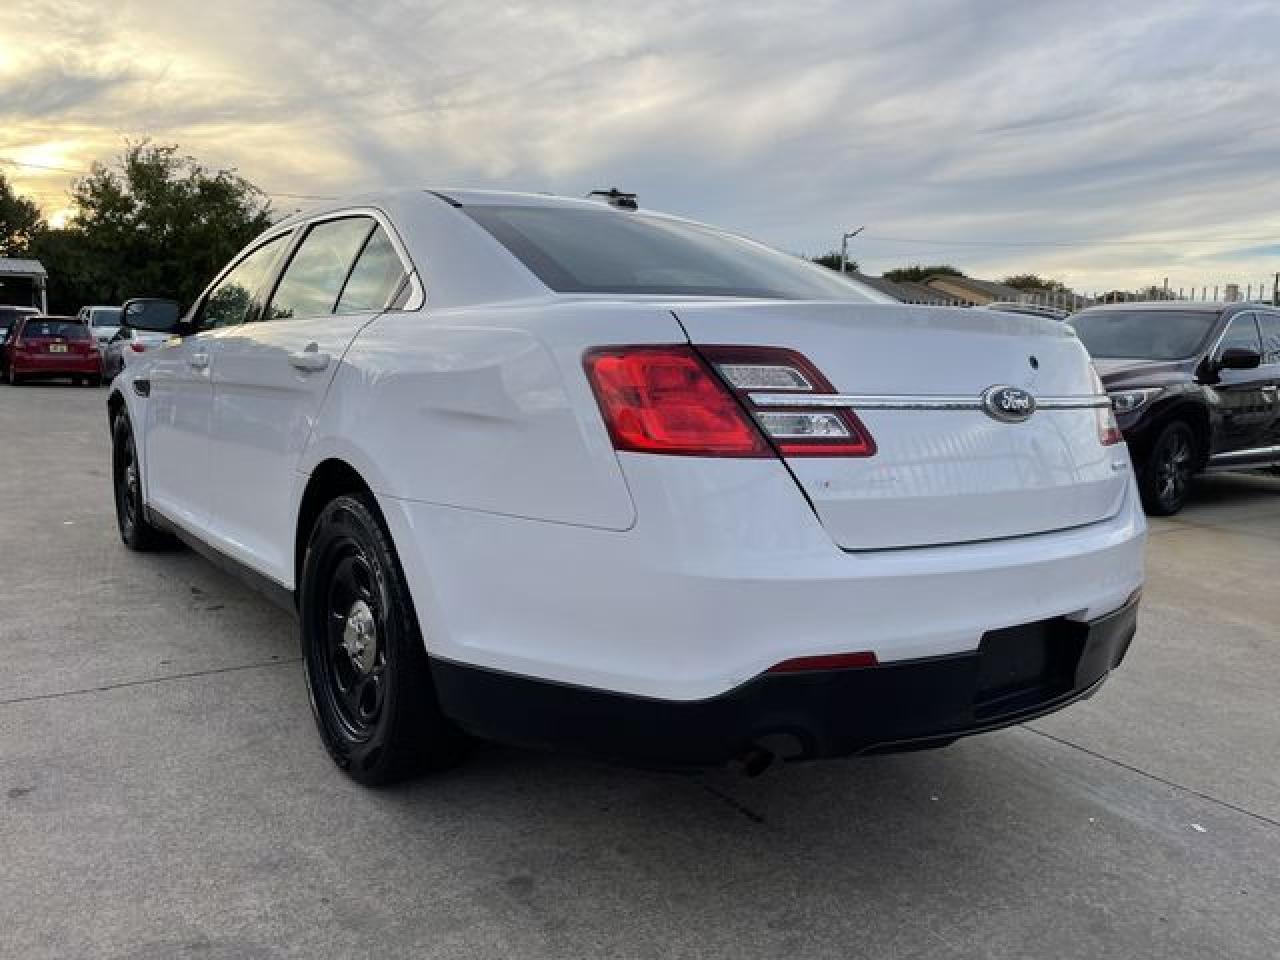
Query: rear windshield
67	329
613	251
1144	334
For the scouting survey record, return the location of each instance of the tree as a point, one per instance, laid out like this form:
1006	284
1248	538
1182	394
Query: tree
1034	283
832	260
154	223
918	273
19	221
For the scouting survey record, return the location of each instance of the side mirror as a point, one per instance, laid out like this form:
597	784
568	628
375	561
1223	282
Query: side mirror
153	314
1239	358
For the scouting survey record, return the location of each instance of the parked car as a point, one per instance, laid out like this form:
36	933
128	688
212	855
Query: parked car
1194	386
558	473
126	346
103	321
9	316
47	348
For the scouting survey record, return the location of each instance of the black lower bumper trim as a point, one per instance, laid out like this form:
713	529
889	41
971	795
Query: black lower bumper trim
1015	675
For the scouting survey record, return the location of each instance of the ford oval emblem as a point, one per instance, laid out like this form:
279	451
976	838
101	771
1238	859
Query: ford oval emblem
1008	404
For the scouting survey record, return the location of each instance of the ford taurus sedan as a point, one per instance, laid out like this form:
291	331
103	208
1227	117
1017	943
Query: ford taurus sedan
561	474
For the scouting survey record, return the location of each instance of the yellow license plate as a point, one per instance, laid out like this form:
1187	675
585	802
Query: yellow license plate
57	348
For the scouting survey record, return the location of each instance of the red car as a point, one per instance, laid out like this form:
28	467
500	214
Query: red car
47	347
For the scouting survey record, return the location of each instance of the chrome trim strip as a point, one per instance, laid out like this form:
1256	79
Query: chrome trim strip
915	402
1232	456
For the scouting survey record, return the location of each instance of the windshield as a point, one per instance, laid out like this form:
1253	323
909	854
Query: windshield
1144	334
105	317
68	329
610	251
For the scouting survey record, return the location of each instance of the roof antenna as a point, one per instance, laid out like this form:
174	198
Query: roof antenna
616	198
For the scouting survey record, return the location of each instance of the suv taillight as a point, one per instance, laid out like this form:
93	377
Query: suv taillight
669	399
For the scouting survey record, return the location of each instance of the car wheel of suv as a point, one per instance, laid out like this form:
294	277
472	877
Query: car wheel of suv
135	530
1165	480
366	667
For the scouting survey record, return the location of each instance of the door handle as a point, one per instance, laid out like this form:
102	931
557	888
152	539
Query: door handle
199	361
309	359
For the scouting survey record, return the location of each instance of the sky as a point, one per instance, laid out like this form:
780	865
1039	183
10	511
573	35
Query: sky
1103	144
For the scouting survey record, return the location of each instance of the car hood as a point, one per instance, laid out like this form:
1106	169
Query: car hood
1121	372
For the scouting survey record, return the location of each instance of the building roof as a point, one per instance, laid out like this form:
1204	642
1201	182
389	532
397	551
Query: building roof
987	288
903	292
12	267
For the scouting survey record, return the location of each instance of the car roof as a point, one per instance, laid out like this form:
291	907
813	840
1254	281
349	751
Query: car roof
1197	306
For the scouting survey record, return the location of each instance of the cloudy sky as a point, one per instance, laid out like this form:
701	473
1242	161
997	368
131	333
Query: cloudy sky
1105	144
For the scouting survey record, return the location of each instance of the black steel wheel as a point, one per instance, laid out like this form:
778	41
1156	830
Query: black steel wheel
367	672
1165	480
135	529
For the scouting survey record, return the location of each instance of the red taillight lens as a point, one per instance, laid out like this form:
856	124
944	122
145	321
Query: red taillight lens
796	430
138	347
831	661
666	400
1108	430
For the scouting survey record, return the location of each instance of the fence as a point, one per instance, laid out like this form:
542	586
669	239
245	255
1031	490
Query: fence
1267	292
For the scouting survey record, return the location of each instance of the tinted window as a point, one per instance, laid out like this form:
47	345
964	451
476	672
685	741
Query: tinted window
67	329
228	304
1144	334
106	317
1270	326
376	277
611	251
314	277
1242	332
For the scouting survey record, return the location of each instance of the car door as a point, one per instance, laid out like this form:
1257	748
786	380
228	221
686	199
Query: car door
272	375
180	408
1269	328
1246	407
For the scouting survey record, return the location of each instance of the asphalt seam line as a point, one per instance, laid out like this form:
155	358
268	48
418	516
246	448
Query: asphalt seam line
1263	818
149	680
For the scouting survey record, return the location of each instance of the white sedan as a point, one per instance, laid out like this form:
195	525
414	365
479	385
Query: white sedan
562	474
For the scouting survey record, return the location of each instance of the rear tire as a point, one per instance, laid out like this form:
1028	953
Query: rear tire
136	531
367	672
1165	478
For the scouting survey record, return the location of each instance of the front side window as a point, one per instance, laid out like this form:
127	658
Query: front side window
581	250
375	278
313	281
1241	333
229	303
1269	324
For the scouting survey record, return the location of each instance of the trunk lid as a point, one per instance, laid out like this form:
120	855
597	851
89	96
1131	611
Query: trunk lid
938	476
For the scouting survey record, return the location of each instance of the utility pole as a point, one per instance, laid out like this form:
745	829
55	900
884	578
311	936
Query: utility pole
844	248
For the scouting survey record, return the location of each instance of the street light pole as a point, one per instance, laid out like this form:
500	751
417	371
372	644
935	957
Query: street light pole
844	249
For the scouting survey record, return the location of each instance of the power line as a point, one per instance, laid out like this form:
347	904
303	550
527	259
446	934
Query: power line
1053	243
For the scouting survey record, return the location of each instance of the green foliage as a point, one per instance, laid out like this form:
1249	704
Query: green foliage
20	220
154	223
1034	283
918	273
832	260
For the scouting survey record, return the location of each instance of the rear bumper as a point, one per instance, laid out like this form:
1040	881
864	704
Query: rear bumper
57	366
896	706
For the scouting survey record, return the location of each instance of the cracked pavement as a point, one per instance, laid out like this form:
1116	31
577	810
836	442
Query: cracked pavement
163	794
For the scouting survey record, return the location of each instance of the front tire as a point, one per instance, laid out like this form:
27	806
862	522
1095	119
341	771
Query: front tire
136	531
1165	479
366	666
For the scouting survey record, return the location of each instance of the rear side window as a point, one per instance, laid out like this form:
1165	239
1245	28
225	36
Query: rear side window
375	278
1269	324
1241	332
581	250
313	281
229	303
44	329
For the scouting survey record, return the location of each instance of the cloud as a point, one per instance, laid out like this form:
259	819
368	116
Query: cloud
1135	133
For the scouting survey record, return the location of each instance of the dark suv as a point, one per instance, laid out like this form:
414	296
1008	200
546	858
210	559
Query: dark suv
1193	385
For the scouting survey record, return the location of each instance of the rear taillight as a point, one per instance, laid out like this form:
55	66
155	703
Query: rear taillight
1108	430
796	430
138	347
830	661
666	400
669	399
